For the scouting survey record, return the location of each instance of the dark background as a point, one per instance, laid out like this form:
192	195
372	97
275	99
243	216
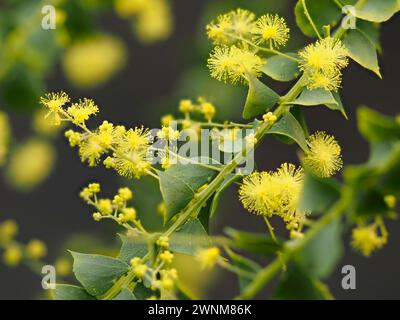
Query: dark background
140	94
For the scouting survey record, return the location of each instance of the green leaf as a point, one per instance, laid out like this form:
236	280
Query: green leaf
281	68
377	10
244	264
371	31
376	127
322	12
338	105
132	246
125	294
318	194
321	256
190	238
141	292
257	243
180	183
69	292
260	98
296	284
362	50
288	126
97	273
314	98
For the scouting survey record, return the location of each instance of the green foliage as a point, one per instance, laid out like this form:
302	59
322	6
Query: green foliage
281	68
180	183
377	10
132	246
69	292
125	294
362	50
257	243
190	238
97	273
259	99
322	12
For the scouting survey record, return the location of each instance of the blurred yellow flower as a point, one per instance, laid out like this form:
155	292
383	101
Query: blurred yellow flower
12	255
30	164
8	230
93	61
36	249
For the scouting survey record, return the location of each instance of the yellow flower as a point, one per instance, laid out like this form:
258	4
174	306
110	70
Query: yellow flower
391	201
42	126
81	111
218	30
138	267
271	29
366	239
93	61
328	56
208	257
234	64
128	214
63	267
329	82
269	117
54	101
155	22
36	249
4	136
324	157
12	255
74	138
91	190
8	230
186	105
207	109
251	140
278	192
163	242
242	22
125	193
105	206
167	119
30	164
166	256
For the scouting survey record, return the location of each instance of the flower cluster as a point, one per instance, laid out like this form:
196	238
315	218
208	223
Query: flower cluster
128	148
115	208
14	252
322	62
275	193
366	238
160	276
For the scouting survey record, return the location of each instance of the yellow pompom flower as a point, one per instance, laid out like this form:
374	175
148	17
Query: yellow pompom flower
268	193
271	29
93	61
366	239
328	56
207	109
30	164
242	23
208	257
166	256
218	30
234	64
125	193
320	80
54	102
74	138
81	111
324	157
105	207
186	105
36	249
8	230
4	136
163	242
12	255
167	119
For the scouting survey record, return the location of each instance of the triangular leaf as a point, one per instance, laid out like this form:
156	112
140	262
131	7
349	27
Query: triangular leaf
281	68
260	98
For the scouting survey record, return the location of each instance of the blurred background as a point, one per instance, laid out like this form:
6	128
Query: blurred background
137	73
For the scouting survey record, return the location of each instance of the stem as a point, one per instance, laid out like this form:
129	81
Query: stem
310	19
266	274
270	229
